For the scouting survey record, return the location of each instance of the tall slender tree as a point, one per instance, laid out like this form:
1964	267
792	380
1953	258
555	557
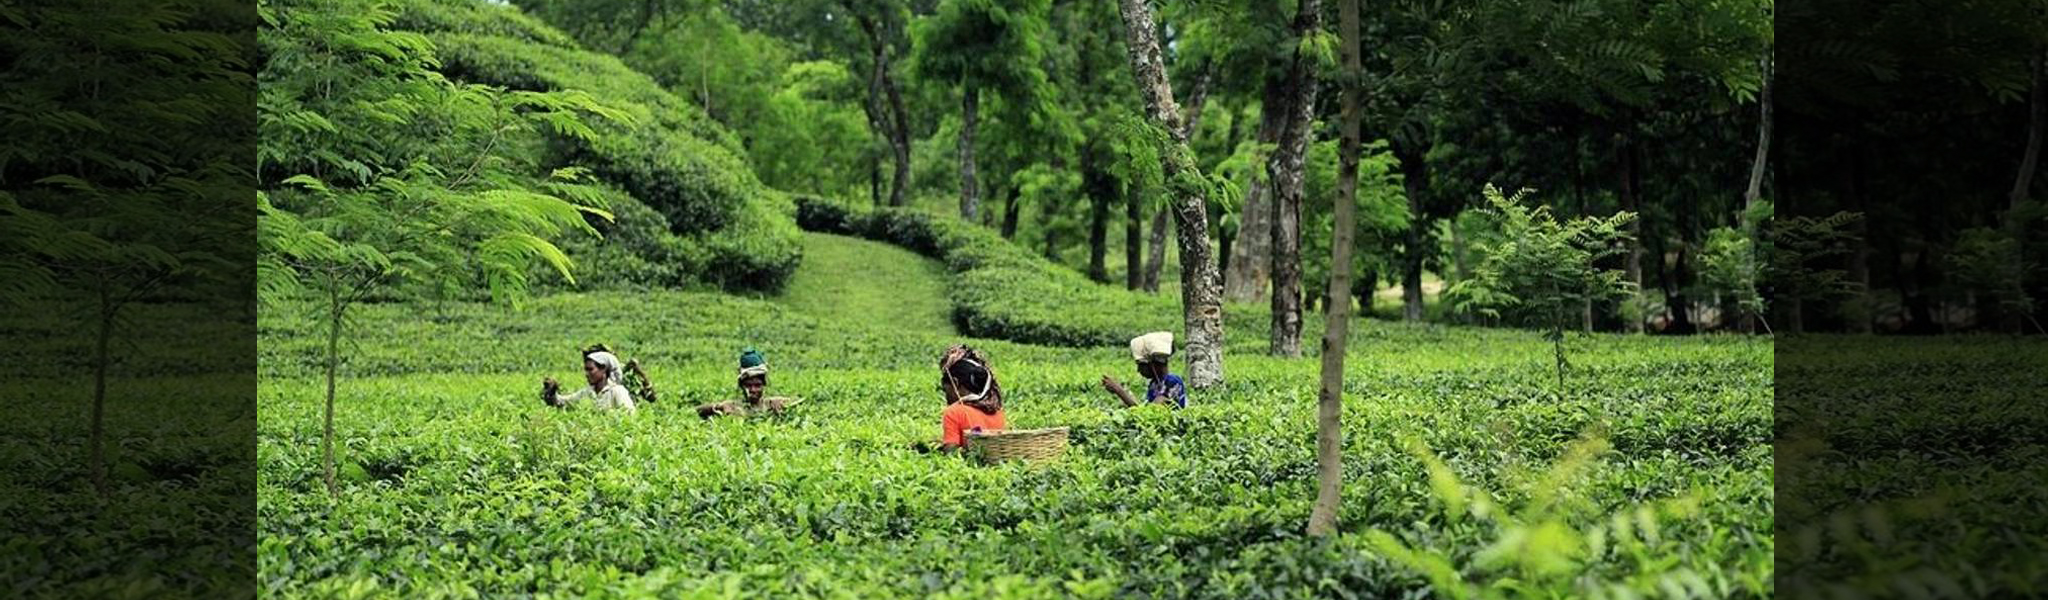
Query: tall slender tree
1201	293
880	24
977	46
1322	518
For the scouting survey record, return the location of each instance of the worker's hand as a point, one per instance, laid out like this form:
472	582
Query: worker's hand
548	388
1110	384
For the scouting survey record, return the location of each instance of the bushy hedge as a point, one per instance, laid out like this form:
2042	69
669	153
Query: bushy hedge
1000	290
690	208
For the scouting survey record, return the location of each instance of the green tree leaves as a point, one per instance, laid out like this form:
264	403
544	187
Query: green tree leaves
1541	268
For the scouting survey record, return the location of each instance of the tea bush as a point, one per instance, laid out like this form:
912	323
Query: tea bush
1911	466
460	482
711	220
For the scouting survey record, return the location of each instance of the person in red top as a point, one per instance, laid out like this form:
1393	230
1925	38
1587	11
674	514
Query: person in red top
974	401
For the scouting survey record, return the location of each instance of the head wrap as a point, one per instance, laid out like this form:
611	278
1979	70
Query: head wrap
1152	347
752	364
609	363
988	399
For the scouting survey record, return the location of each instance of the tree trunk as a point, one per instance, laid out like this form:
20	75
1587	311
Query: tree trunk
1197	99
1755	191
1134	240
875	180
899	139
1682	273
1859	254
1654	249
1160	220
1630	185
2022	185
1190	124
877	118
1459	272
1364	288
895	126
970	108
96	461
1322	517
2037	119
1751	230
1224	240
1415	176
1010	214
1158	250
333	365
1245	279
1201	293
1099	187
1285	170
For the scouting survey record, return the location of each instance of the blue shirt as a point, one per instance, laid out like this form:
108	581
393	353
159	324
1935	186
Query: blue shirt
1169	386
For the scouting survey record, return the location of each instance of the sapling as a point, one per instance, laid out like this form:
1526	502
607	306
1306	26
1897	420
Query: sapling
1541	267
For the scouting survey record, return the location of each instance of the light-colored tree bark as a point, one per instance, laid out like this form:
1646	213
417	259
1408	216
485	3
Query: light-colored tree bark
1754	193
1248	275
1201	294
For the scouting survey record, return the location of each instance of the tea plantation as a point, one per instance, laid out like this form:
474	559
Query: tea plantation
459	482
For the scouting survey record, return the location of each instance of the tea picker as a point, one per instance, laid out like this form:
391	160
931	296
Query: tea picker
606	391
753	384
1153	352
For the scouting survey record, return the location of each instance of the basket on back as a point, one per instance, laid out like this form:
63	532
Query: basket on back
1029	445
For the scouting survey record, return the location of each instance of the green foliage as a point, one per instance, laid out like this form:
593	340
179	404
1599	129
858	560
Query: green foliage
1541	268
1543	545
994	45
122	140
413	178
125	248
1797	252
1895	453
713	222
637	250
1988	261
794	113
503	494
1730	264
999	290
1382	215
810	137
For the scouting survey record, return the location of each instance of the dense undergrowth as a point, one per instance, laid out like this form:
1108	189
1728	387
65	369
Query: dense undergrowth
458	480
688	209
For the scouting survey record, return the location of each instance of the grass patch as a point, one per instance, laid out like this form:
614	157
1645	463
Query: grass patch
852	278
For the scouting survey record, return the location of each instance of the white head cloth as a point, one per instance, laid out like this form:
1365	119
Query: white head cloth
1158	344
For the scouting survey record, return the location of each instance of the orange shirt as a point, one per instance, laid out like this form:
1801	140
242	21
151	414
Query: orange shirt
961	418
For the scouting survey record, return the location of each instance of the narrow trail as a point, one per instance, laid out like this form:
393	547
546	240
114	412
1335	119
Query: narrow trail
880	284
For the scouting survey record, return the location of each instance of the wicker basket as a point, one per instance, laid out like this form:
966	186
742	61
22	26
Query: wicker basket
1029	445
